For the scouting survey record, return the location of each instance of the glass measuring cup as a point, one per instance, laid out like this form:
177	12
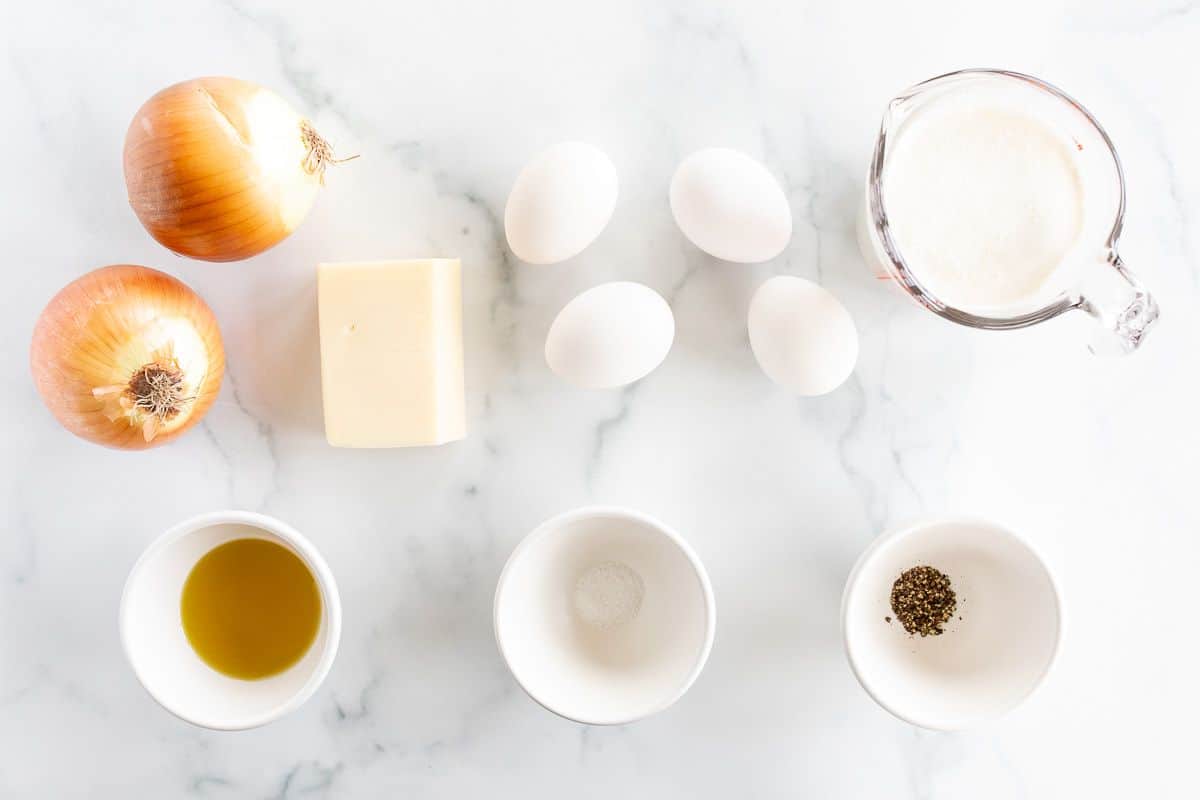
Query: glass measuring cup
1099	284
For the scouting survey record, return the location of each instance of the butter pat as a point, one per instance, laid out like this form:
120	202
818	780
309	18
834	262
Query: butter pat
391	352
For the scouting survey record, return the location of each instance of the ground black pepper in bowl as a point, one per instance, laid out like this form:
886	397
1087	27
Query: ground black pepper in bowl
923	600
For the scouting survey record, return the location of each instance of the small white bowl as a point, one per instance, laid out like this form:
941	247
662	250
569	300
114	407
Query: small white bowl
604	675
983	665
165	663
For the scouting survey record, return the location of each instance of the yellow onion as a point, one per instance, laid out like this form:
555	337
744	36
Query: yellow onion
221	169
127	357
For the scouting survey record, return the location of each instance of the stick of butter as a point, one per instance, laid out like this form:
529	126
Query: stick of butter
391	352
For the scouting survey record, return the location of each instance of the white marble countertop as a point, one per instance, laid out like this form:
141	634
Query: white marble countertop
1095	460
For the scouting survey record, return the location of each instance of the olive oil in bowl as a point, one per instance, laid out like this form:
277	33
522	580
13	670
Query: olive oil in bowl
250	608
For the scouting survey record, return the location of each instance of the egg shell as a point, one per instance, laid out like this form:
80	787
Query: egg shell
803	337
560	203
730	206
610	335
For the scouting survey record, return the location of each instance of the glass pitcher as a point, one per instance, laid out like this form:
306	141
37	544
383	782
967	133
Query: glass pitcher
1102	286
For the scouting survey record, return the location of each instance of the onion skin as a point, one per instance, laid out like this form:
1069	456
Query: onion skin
102	330
221	169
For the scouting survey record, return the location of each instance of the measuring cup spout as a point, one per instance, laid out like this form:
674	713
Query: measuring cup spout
1122	306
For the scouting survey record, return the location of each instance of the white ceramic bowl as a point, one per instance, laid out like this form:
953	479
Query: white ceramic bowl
157	648
604	675
984	664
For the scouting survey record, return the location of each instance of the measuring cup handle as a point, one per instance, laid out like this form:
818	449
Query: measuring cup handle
1122	306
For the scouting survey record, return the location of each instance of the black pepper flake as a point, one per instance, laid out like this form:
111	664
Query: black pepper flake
923	601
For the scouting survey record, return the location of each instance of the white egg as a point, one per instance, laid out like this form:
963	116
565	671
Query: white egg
803	338
610	335
560	203
729	206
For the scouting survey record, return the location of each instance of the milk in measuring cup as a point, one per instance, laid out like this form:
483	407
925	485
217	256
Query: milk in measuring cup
987	206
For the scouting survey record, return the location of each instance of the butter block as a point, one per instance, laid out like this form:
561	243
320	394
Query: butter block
391	352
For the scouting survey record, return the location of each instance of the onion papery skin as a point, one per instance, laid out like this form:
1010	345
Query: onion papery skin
221	169
100	330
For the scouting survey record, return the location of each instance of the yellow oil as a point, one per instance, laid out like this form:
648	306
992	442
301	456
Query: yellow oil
250	608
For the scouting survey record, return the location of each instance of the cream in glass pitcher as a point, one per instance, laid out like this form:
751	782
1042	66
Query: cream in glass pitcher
996	201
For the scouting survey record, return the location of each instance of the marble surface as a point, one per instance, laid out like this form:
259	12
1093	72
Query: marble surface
1095	460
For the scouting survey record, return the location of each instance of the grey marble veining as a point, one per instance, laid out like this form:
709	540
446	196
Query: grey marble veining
1094	460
